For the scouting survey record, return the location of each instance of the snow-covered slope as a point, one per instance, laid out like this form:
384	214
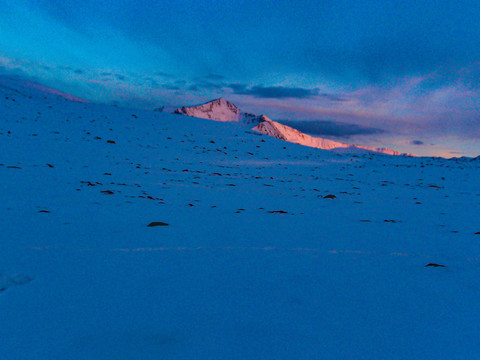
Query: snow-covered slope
21	87
225	111
257	260
287	133
220	110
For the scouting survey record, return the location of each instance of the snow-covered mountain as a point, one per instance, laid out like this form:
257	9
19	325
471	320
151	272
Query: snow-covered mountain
263	249
287	133
225	111
25	88
220	110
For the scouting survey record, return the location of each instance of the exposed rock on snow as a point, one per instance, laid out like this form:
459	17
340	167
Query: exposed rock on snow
434	265
7	281
157	223
330	196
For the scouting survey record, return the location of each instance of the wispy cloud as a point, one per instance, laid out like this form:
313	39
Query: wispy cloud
275	92
211	77
163	75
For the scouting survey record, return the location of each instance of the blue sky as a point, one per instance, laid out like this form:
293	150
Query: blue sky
393	73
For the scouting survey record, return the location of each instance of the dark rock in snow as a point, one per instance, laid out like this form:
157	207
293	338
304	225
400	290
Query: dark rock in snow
157	223
434	265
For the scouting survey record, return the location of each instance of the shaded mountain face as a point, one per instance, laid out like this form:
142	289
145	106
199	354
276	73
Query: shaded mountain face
225	111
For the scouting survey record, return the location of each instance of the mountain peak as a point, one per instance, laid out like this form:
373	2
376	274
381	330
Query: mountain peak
219	110
223	110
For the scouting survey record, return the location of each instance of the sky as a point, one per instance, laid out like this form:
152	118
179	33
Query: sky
402	74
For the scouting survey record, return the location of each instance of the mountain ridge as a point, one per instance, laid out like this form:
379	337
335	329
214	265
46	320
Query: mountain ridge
225	111
220	110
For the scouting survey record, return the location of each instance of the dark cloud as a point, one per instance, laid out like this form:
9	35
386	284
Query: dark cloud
333	97
275	92
170	87
164	75
331	128
211	82
16	73
205	85
120	77
78	71
211	77
152	82
237	87
417	142
280	92
215	77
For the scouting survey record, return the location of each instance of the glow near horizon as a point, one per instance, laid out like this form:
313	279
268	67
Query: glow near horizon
408	69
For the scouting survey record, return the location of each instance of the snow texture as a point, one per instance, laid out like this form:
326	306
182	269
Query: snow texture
256	260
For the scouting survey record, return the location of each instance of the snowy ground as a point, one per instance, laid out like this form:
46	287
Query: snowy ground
254	264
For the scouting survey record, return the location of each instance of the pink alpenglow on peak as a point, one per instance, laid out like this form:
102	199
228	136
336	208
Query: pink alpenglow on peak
287	133
219	110
225	111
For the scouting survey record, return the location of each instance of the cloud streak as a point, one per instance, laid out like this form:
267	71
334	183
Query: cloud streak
275	92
